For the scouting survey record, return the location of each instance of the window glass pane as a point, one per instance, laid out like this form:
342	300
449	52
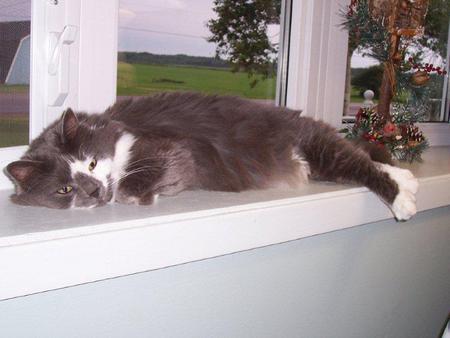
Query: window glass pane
14	71
365	73
163	46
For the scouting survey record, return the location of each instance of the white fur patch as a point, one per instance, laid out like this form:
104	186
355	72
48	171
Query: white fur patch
305	170
122	155
100	172
121	158
107	168
404	205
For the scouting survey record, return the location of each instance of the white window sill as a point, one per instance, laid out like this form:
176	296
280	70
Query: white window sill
43	249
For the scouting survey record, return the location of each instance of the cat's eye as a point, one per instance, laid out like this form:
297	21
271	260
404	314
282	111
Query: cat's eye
65	190
93	164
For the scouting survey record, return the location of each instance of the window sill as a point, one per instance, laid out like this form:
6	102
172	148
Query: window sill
42	249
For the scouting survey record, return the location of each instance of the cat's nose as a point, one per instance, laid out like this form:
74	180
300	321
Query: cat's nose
95	193
91	188
89	185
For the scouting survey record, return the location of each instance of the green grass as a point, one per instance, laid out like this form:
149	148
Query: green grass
13	131
138	79
13	89
355	96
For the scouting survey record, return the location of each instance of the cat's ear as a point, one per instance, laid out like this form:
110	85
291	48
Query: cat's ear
22	171
69	125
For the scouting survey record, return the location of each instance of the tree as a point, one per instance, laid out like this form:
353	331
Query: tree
240	32
436	27
369	78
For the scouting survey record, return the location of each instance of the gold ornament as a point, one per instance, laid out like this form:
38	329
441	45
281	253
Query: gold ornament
420	78
404	4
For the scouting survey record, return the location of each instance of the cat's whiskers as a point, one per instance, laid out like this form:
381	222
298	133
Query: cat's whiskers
127	174
135	171
150	158
68	159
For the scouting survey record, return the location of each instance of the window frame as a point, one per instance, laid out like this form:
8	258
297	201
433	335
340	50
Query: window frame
92	63
316	61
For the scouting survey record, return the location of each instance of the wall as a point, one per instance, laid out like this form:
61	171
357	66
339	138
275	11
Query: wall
384	279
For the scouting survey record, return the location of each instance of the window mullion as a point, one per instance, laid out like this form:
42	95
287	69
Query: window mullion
317	58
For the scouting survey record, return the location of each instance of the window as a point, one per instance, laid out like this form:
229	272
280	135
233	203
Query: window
15	28
163	46
309	72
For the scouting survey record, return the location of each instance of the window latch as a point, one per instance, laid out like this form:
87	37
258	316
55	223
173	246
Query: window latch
66	37
59	64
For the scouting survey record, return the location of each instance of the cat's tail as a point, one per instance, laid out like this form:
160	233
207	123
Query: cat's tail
333	158
376	152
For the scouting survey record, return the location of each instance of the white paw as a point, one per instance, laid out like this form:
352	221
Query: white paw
404	205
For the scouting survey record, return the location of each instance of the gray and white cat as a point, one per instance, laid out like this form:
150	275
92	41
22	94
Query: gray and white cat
163	144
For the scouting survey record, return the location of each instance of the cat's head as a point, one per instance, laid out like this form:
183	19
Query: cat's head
70	164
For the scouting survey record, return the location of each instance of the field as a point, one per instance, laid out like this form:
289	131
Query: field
13	131
137	79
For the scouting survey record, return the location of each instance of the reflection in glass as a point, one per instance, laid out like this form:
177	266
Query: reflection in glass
14	72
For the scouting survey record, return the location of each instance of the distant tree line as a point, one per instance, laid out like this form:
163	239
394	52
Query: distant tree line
179	59
367	78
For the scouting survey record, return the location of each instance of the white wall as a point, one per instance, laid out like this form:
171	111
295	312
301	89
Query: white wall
384	279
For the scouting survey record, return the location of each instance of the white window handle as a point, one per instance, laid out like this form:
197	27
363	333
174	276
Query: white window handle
59	64
66	37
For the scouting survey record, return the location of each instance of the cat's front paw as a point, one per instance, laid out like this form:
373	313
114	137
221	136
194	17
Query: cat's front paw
404	205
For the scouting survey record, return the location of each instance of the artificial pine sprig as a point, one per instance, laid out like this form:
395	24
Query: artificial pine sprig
400	136
365	32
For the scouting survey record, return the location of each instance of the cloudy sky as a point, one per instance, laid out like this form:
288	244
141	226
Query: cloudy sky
158	26
165	26
169	26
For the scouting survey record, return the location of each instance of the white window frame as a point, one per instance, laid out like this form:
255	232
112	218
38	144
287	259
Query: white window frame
315	69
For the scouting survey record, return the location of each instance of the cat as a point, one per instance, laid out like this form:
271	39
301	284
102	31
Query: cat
166	143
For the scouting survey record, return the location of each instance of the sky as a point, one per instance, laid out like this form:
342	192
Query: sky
159	26
169	26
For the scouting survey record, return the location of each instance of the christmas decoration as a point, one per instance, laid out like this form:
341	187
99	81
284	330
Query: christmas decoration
420	78
390	31
384	27
427	67
422	72
398	135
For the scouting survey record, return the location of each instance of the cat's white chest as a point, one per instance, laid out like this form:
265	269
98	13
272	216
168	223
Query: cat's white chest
122	156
